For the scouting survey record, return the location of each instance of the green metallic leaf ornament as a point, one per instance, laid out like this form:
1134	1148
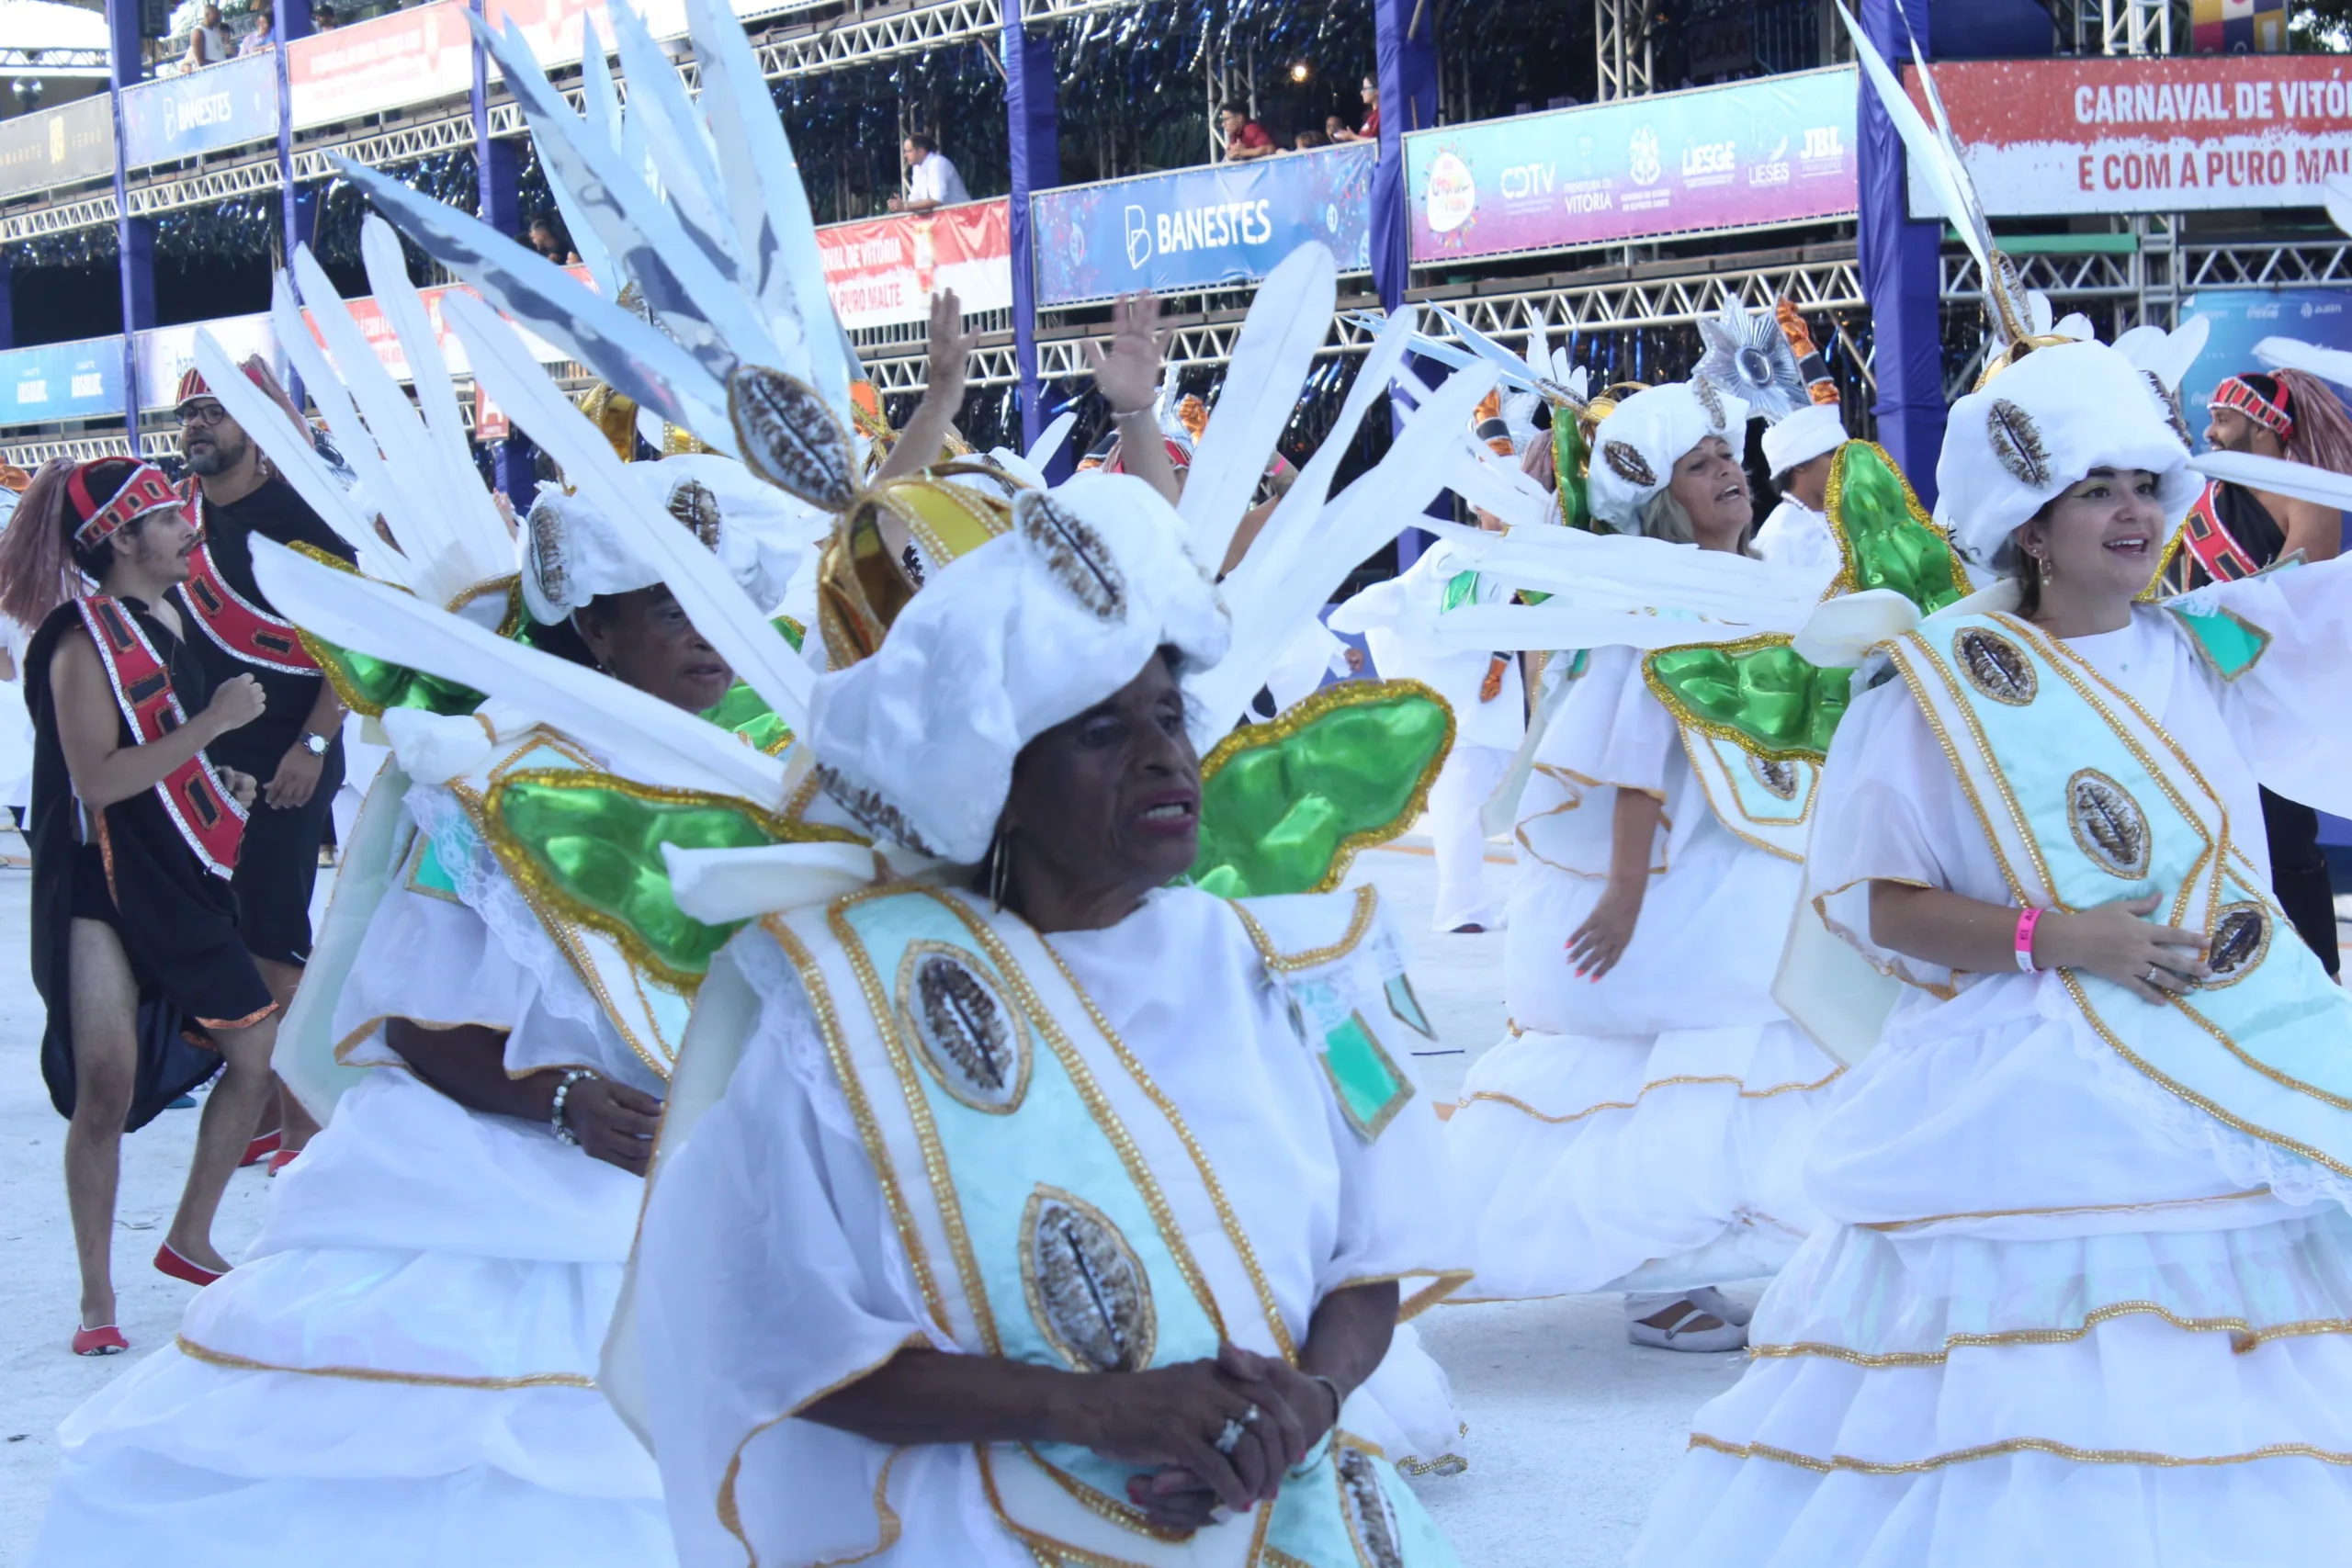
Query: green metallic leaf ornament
1286	805
1569	458
1884	535
1758	693
588	845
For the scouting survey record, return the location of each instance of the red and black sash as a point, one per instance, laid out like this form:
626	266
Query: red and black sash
2210	542
212	823
239	626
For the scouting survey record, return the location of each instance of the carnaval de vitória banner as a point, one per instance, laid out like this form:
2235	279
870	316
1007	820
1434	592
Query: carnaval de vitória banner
1229	223
883	271
1779	150
204	111
2050	137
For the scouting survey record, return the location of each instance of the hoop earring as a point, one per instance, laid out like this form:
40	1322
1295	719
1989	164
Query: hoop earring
999	867
2047	569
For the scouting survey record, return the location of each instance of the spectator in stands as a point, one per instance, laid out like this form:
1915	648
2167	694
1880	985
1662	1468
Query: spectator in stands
1371	128
208	42
547	237
1245	139
323	19
1309	139
932	180
258	40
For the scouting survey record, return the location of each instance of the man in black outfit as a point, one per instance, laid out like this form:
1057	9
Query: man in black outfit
295	748
2234	532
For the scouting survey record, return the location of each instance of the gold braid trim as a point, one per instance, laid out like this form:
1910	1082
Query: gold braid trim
2011	1446
234	1362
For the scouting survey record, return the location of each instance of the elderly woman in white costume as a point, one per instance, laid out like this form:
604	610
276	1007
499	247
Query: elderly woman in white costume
1057	1217
2086	1294
403	1368
1641	1127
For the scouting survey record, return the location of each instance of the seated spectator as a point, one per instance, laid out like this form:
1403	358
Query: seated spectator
259	41
1307	140
323	19
1245	139
932	180
207	42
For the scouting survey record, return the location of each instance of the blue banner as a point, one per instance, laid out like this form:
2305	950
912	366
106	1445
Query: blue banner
2240	318
204	111
61	380
1205	228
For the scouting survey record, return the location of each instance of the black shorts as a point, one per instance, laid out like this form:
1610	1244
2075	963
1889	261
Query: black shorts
278	866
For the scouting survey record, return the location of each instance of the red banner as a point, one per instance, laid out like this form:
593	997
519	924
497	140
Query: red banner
377	329
408	57
883	271
2051	136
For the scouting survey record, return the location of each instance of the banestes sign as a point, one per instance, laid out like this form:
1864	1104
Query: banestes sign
2049	137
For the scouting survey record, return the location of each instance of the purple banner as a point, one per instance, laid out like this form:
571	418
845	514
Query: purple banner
1779	150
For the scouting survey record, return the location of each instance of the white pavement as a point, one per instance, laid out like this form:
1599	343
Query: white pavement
1572	1430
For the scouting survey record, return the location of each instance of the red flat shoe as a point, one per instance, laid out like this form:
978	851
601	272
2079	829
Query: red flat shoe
107	1340
261	1148
167	1261
281	1159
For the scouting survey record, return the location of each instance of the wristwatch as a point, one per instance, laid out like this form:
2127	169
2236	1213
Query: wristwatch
314	744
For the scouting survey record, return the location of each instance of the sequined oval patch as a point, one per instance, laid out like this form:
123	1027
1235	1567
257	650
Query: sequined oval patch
2240	940
1074	553
789	437
1778	778
1372	1520
1995	666
1087	1290
2109	825
970	1038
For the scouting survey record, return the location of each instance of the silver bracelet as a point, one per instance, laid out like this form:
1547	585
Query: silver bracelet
563	1092
1337	1403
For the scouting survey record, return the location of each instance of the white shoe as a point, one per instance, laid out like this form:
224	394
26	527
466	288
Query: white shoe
1707	1298
1724	1334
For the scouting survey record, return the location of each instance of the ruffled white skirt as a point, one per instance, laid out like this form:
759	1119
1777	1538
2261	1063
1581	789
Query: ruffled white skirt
2178	1397
401	1372
1648	1132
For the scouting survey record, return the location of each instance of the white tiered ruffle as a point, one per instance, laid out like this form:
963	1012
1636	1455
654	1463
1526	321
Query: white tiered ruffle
1658	1163
2172	1397
402	1372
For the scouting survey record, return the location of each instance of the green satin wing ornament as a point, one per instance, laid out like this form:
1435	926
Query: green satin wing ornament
1286	805
1756	693
746	713
1885	536
589	845
1568	462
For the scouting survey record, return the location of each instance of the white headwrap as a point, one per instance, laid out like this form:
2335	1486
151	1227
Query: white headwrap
1030	630
2042	424
1635	449
1809	433
572	552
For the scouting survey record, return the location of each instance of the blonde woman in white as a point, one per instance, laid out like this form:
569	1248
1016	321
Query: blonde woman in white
2085	1291
1642	1126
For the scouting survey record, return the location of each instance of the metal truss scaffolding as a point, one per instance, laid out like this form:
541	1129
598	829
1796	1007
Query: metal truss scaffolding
394	144
94	211
1621	46
174	193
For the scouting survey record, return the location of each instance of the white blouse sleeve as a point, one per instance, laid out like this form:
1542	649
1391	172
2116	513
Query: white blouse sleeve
766	1280
1398	1216
2285	710
1612	733
1891	810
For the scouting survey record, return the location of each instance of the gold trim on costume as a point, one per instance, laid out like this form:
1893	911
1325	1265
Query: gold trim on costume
2244	1338
1834	496
2169	1203
731	1518
1679	1081
1689	718
2010	1446
1367	903
234	1362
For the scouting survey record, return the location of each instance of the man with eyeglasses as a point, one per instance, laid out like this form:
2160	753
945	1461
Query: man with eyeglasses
293	749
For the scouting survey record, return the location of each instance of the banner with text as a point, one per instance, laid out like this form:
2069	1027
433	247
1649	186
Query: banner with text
57	147
1778	150
2237	318
2044	137
164	354
61	380
552	28
883	271
377	329
408	57
1229	223
204	111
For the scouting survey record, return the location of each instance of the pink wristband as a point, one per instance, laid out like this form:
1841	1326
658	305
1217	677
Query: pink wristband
2026	919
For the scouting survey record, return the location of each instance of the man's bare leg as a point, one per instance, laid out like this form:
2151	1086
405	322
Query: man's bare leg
229	1111
104	1000
289	1117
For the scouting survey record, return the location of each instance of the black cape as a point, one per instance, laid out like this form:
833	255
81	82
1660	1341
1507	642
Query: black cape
177	921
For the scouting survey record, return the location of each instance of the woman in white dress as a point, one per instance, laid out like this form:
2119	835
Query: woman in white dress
1642	1126
2087	1293
402	1369
1057	1218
